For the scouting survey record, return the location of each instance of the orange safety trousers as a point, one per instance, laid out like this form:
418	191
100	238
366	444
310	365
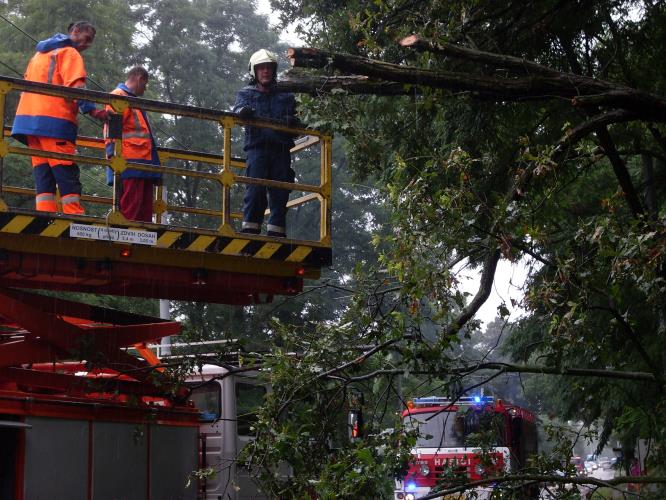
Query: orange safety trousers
52	172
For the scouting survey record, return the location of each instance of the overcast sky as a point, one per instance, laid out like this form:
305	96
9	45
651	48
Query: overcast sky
287	36
509	279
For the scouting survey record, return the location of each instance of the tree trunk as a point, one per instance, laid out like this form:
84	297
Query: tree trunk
546	85
315	84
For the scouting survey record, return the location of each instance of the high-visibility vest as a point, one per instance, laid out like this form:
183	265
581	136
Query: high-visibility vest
44	115
137	140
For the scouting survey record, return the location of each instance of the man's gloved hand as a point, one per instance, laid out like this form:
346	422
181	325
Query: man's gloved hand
246	112
100	114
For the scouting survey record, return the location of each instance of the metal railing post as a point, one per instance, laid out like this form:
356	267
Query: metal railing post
326	190
226	178
114	130
160	204
117	153
4	144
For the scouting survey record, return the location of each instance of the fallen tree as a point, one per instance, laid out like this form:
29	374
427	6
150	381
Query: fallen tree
352	84
521	80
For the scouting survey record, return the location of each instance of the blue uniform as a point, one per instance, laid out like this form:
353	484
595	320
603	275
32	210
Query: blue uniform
268	157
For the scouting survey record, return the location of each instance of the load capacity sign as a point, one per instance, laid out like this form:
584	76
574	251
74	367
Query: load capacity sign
120	235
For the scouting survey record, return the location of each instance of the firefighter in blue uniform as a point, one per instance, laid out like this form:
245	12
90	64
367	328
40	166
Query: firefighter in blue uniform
267	150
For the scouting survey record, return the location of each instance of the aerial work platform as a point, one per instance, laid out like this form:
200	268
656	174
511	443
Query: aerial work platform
62	347
197	252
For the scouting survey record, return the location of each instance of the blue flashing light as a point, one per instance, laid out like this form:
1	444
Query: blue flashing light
411	486
443	401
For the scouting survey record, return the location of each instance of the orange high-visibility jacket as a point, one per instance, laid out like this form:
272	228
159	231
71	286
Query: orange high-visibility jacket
138	144
58	63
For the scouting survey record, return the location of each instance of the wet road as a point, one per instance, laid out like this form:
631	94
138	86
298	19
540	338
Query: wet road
603	474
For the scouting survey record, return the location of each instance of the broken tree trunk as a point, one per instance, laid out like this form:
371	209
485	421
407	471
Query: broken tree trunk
518	64
352	84
544	85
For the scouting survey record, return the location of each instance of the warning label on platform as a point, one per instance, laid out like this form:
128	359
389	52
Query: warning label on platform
120	235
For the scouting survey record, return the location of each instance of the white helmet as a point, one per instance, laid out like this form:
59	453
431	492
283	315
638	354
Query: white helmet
260	57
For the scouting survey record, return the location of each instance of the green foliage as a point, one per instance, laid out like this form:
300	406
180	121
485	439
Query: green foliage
303	425
453	167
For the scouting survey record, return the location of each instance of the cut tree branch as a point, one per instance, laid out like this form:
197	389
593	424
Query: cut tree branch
543	86
514	88
539	478
512	368
316	84
625	98
359	360
478	56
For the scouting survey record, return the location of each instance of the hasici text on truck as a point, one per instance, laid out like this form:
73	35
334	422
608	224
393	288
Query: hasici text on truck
448	448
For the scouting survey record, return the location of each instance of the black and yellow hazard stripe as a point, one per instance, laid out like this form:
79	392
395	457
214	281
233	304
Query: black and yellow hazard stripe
177	239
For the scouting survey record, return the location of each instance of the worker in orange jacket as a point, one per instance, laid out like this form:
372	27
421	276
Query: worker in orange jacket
137	146
49	123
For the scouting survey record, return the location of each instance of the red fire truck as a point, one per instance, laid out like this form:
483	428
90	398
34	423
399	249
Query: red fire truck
444	452
113	424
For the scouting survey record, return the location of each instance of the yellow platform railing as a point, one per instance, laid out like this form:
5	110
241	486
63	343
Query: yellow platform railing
226	172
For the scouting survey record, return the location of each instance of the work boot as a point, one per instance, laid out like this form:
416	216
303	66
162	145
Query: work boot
276	234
